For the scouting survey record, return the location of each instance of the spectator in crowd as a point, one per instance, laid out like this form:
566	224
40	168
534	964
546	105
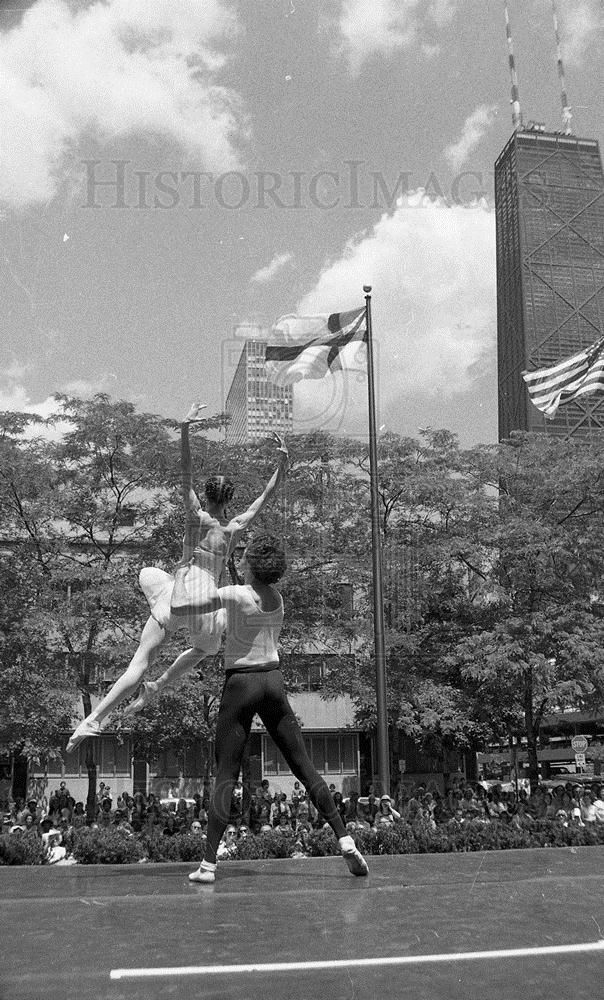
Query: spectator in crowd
31	827
104	816
33	809
598	803
138	813
373	804
63	799
364	819
228	842
120	822
182	817
587	807
55	849
100	795
260	810
296	798
280	808
284	825
153	812
351	808
575	817
79	816
237	803
386	813
340	805
170	825
522	818
457	820
302	811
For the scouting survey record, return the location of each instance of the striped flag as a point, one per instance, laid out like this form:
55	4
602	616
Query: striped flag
551	387
311	346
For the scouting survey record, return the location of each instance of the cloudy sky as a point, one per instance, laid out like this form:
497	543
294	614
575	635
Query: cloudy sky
172	172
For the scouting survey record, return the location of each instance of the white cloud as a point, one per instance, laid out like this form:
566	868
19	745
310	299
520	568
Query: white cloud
115	68
266	274
86	387
14	398
475	127
432	268
380	27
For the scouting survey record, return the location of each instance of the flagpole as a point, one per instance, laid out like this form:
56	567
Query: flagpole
383	755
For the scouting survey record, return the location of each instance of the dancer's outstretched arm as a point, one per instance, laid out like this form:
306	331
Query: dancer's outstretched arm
242	521
189	495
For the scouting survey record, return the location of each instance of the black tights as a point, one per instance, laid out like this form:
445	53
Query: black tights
243	695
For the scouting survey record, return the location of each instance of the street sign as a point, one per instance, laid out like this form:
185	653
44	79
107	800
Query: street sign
579	744
579	760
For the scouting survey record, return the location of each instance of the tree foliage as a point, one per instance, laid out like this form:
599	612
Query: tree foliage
492	566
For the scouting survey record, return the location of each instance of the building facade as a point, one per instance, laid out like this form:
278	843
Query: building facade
549	201
254	404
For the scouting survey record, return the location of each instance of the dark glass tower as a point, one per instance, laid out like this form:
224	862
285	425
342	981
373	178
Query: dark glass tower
549	202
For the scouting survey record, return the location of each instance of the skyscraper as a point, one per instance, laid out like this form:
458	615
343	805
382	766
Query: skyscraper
255	405
549	202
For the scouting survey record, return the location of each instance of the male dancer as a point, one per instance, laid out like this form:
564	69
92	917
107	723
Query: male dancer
254	683
209	540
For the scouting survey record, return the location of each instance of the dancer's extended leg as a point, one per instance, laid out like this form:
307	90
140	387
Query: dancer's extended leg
169	680
282	726
232	730
152	637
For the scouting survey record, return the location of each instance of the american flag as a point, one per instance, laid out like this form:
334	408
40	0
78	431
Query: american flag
311	346
549	388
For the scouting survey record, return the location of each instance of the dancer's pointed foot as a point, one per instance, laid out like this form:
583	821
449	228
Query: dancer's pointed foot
206	874
353	857
89	727
148	691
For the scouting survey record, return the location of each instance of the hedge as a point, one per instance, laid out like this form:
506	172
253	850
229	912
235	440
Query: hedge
115	846
21	850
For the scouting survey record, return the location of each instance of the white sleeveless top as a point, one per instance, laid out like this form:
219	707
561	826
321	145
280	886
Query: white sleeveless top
251	634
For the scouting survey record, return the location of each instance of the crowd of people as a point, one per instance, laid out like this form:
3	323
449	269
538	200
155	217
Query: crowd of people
54	822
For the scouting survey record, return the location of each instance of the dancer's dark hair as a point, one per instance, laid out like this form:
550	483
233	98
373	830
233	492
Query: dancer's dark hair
219	489
266	558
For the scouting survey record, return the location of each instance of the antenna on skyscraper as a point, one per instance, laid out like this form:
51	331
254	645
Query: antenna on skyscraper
515	102
567	115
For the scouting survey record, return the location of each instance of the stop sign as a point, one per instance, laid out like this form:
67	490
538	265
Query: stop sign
579	744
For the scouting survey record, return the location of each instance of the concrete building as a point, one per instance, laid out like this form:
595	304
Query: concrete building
549	200
255	405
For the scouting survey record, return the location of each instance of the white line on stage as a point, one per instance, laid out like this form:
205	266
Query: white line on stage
358	963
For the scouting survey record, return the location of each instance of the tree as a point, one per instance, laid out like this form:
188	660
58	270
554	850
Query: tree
83	515
541	651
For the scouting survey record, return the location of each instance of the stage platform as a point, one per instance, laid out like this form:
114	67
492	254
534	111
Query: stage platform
505	925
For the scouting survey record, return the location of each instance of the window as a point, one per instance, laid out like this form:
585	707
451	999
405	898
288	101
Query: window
332	754
348	745
307	671
317	752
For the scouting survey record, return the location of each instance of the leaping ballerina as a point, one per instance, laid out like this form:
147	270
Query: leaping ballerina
209	539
